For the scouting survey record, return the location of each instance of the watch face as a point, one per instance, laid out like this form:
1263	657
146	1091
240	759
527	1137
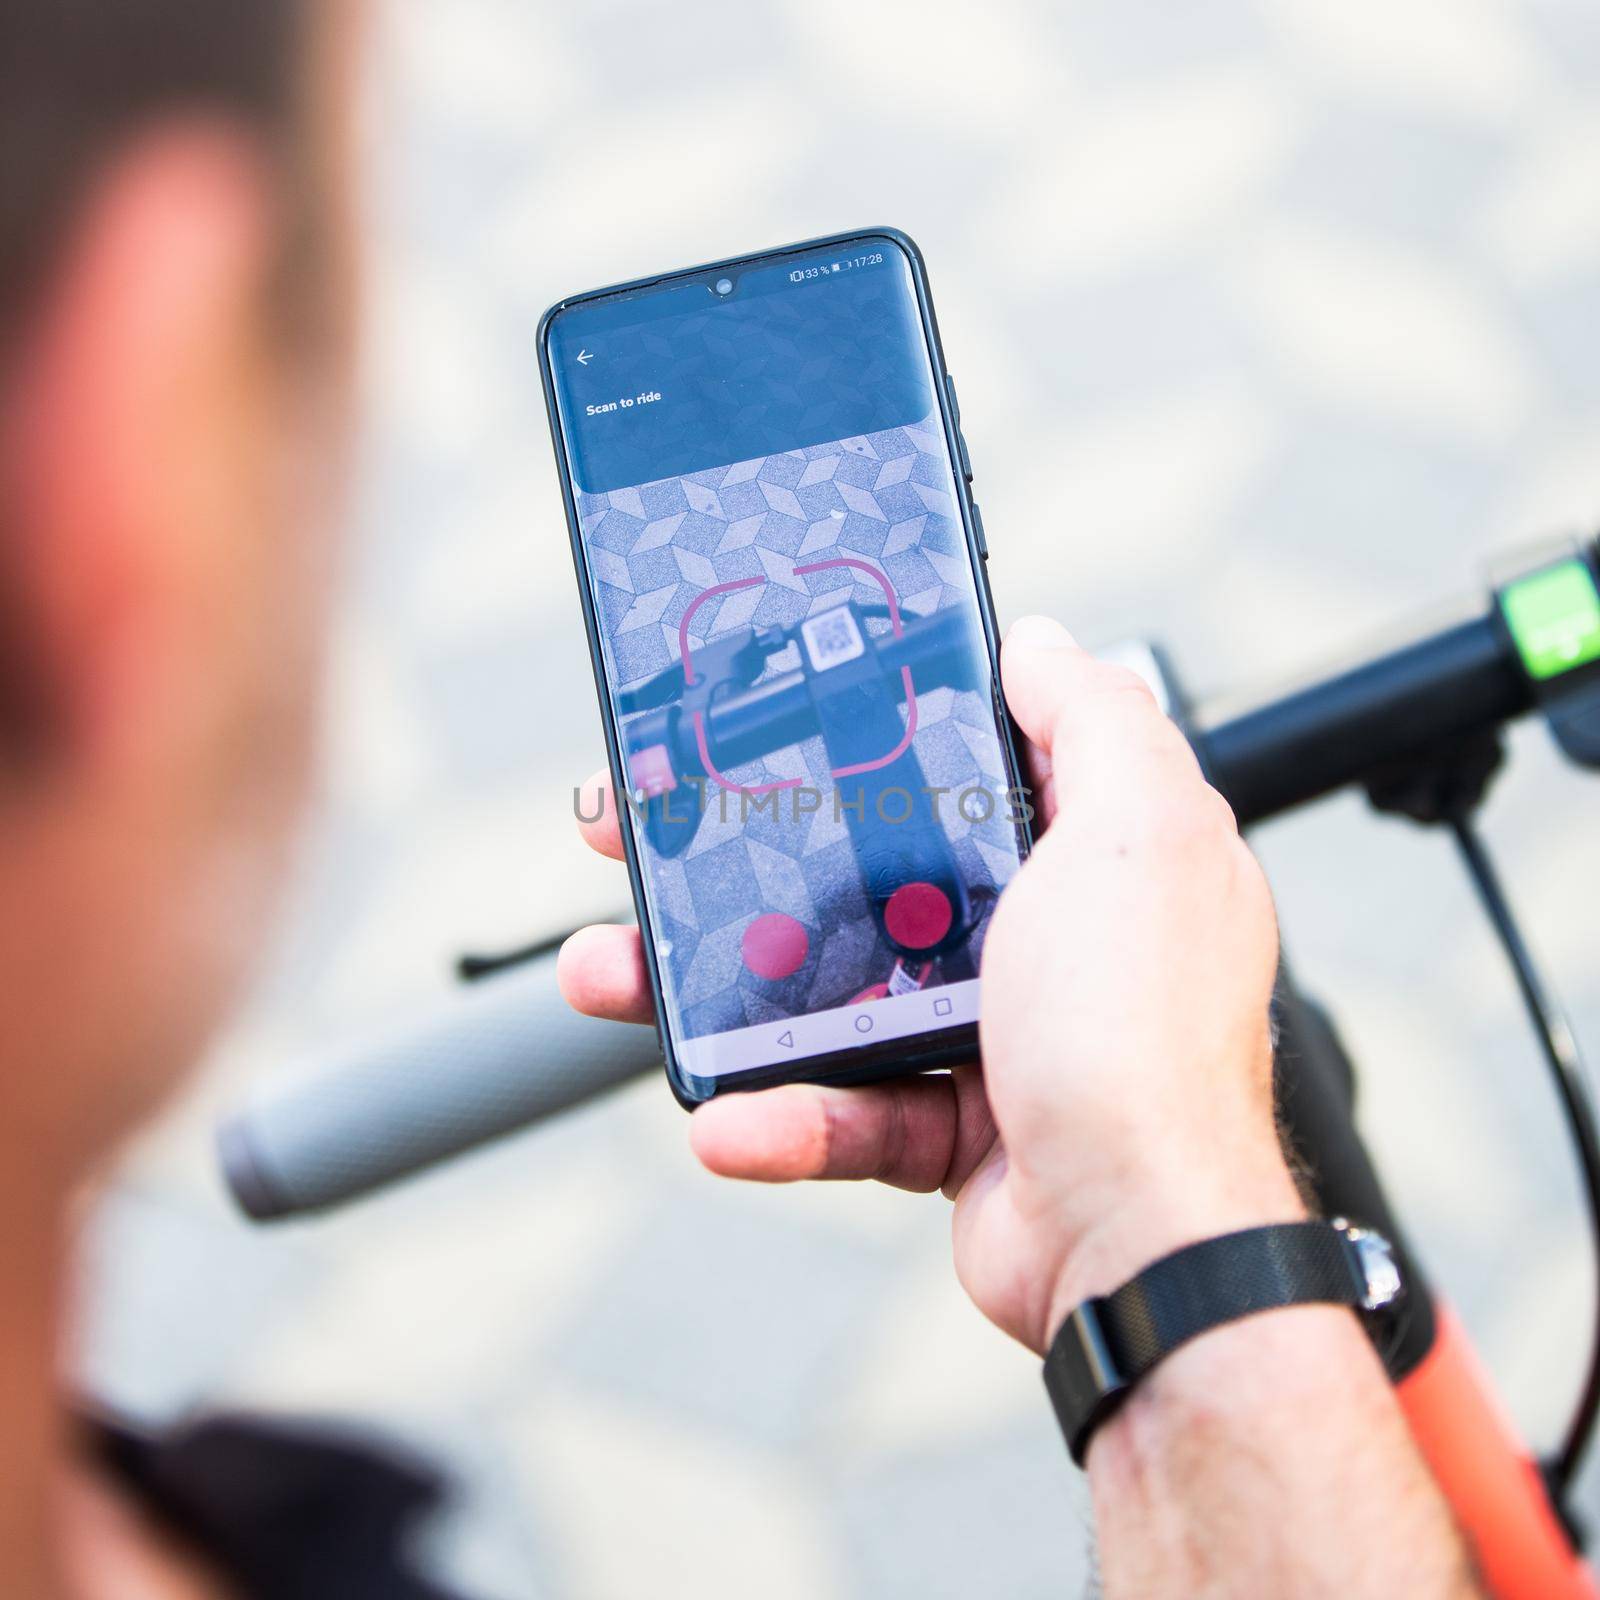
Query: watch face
1384	1306
1379	1267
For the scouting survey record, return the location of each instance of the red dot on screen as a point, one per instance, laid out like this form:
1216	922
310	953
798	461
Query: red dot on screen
775	946
918	916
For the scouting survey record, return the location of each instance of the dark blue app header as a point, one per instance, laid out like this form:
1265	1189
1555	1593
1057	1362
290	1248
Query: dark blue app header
804	351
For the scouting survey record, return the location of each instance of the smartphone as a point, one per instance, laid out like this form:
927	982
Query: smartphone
782	571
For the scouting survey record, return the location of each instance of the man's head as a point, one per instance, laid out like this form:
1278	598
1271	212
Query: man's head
174	320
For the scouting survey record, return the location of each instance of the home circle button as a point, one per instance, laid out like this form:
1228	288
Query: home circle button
863	1024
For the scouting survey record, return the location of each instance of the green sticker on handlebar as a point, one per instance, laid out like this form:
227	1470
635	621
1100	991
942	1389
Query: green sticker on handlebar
1554	617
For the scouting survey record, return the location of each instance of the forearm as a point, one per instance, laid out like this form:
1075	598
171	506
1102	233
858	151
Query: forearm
1268	1457
1271	1457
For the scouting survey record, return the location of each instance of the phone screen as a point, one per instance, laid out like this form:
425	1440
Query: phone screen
790	631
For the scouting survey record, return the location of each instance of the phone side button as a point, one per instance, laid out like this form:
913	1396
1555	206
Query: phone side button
978	532
961	437
966	455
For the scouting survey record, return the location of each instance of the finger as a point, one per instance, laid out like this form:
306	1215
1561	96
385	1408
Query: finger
902	1134
601	973
598	821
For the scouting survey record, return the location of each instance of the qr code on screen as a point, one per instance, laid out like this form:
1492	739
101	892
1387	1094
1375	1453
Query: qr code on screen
833	639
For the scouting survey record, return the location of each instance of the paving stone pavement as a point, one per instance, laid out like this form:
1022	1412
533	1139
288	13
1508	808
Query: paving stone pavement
1273	321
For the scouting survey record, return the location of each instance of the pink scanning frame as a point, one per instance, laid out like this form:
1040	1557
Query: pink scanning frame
895	623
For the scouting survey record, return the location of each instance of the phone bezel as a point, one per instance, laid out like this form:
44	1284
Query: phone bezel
904	1057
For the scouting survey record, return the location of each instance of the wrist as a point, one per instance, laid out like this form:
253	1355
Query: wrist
1162	1208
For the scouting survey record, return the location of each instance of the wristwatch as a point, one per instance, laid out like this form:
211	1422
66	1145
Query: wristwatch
1108	1344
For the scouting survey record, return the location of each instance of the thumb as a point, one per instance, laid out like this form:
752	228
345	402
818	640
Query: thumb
1087	716
1044	671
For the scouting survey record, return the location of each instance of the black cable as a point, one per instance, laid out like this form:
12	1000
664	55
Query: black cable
1566	1065
475	968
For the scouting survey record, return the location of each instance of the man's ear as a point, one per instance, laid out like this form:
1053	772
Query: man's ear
125	434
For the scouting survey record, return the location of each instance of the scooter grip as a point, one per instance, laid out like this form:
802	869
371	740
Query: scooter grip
508	1053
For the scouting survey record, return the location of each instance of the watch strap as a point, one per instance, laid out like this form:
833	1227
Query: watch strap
1108	1344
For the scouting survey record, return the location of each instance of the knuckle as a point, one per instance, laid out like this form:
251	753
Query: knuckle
1223	815
1190	820
1118	683
1191	829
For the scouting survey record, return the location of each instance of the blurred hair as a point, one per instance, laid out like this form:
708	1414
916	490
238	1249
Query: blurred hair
79	77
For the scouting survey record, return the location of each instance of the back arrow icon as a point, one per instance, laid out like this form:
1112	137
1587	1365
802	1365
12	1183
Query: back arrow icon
584	358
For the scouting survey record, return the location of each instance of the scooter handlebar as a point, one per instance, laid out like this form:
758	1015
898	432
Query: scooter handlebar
509	1052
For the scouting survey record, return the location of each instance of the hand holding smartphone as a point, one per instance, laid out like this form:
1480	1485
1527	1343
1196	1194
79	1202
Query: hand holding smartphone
781	569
